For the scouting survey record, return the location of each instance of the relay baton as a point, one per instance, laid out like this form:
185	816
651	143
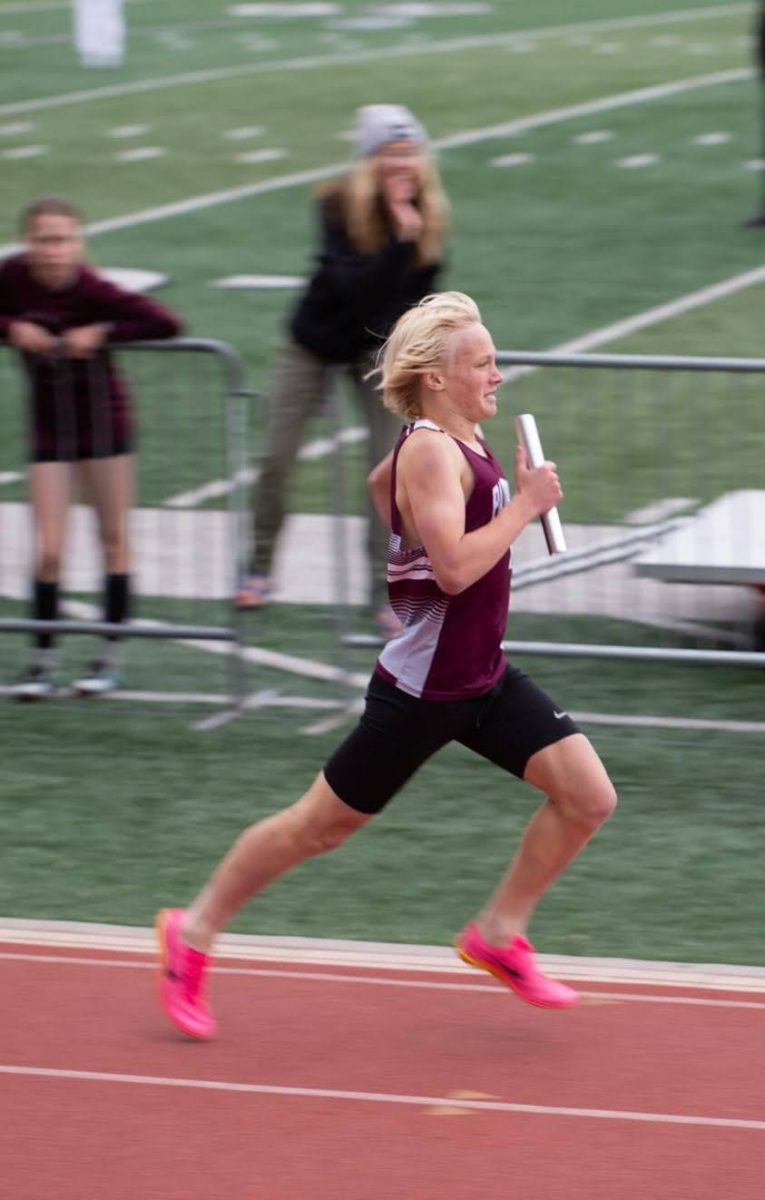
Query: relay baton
528	436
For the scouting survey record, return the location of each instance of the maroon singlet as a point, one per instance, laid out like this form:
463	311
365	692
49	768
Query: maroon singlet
450	646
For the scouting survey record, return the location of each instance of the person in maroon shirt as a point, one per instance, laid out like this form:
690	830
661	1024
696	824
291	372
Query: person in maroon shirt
453	522
60	314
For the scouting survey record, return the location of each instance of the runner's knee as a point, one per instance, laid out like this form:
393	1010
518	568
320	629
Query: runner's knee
316	832
588	804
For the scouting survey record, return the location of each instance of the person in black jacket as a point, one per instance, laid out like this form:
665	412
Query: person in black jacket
383	228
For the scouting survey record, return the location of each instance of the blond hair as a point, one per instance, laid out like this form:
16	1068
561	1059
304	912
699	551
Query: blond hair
419	343
365	216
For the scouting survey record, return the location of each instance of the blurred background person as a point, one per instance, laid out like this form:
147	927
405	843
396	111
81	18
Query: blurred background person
99	32
758	220
60	313
383	228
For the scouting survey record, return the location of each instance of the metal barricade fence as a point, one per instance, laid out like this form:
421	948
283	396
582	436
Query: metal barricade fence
662	462
188	530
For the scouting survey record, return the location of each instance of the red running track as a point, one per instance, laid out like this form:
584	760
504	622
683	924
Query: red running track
370	1085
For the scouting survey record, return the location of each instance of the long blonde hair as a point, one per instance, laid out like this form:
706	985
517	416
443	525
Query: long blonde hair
366	219
417	344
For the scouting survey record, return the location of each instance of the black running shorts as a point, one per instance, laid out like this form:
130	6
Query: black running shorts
397	733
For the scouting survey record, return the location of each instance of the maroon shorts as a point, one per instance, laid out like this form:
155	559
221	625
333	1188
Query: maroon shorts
78	410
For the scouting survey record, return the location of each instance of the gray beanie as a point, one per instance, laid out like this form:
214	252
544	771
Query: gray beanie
377	124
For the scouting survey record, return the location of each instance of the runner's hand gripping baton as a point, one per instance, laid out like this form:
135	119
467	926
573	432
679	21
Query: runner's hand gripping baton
528	436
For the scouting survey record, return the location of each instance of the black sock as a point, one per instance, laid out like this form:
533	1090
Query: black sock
44	608
116	598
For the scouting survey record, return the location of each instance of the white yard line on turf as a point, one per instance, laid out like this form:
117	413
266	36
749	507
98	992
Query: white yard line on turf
466	137
311	668
378	981
388	956
307	667
309	452
313	1093
651	316
312	62
587	108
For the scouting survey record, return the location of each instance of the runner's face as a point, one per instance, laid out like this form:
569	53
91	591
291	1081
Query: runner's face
54	245
471	377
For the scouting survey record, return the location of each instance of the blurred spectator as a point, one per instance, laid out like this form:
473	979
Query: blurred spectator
759	46
60	313
99	32
383	228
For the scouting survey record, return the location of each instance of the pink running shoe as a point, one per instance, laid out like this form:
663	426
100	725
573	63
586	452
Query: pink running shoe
182	978
515	967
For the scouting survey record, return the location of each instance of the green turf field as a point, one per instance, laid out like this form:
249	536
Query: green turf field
107	814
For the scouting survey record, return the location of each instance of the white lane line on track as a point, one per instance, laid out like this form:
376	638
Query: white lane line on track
453	45
399	956
496	1106
494	989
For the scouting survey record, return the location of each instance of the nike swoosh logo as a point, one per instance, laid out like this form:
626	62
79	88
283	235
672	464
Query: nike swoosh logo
559	716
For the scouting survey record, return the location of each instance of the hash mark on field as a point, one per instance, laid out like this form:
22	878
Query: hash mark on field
140	154
512	160
712	139
24	151
371	24
593	138
16	128
128	131
636	161
608	48
755	164
260	156
245	282
255	43
243	132
284	11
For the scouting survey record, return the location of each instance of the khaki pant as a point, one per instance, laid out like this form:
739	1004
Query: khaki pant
302	385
